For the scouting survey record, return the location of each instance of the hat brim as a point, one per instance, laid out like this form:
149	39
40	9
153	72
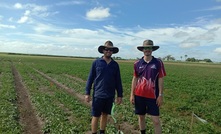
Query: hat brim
153	48
101	48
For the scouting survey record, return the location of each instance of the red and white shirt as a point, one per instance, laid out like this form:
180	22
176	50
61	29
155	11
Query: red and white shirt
148	75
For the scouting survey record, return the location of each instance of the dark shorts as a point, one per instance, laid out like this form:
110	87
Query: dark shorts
100	105
145	105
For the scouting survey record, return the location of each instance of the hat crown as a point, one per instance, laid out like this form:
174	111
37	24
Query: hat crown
108	44
148	43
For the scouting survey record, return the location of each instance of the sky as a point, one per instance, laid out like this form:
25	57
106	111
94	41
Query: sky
182	28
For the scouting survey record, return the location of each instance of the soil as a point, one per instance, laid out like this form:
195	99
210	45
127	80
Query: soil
27	115
31	123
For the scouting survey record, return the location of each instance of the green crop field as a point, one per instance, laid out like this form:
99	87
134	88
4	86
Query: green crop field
41	94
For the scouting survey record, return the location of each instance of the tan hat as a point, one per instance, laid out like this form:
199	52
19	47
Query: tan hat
108	44
148	43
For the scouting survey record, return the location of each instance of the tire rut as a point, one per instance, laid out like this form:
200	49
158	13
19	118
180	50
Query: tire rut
27	115
80	97
125	127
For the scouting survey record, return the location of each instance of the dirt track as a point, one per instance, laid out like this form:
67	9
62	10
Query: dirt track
27	116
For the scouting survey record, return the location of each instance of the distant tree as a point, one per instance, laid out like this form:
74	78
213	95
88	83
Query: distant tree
207	60
181	57
191	59
186	56
169	58
198	60
172	59
117	58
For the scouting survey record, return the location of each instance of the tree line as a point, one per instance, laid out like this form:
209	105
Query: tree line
171	58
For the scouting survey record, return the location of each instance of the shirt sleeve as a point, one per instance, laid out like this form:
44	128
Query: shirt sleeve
119	86
162	71
90	79
135	73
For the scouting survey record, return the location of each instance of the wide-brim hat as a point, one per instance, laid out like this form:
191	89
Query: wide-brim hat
148	43
108	44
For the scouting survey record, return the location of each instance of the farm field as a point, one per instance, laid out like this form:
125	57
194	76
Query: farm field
40	94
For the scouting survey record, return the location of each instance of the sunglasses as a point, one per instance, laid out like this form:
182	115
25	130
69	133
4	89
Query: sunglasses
108	49
147	48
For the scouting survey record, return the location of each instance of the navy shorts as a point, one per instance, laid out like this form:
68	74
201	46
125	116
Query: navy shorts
100	105
145	105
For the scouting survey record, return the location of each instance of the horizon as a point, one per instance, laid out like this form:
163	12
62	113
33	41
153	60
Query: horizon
114	57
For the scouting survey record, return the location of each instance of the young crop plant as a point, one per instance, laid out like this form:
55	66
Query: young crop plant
9	118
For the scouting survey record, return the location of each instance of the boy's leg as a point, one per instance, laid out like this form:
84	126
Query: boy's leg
156	124
140	110
94	124
96	113
104	114
142	122
103	121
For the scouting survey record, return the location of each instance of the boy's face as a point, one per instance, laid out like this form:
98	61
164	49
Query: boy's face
147	51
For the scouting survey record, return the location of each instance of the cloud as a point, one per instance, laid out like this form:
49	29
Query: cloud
214	8
27	12
32	7
41	28
18	6
98	13
81	32
24	18
30	11
65	3
7	26
76	41
189	44
218	50
180	34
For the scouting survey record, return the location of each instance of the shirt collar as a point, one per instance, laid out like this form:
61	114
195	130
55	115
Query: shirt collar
143	61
